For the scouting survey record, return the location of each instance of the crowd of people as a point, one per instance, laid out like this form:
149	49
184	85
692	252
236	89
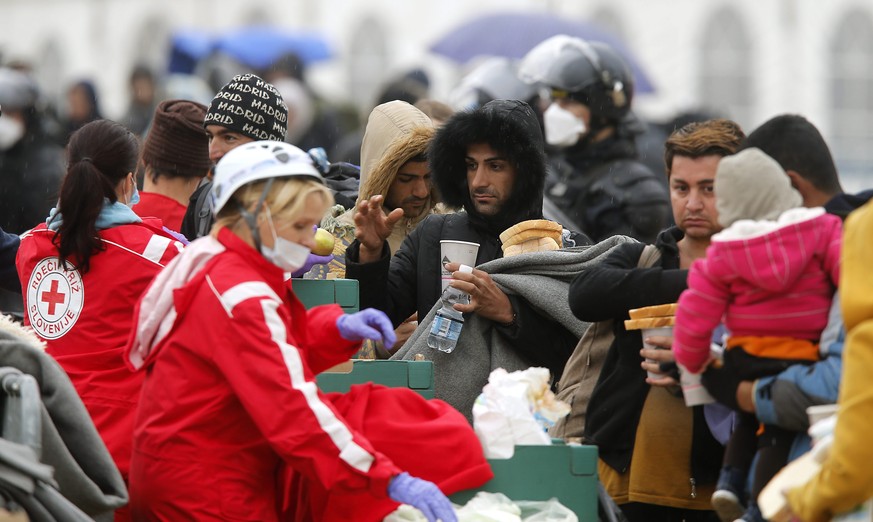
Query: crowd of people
155	260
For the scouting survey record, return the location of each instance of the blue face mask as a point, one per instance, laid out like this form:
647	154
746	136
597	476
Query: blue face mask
134	199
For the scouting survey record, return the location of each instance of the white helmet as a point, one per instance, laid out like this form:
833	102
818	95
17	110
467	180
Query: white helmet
256	161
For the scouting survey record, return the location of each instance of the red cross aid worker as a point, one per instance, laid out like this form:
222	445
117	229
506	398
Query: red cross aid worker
231	420
83	271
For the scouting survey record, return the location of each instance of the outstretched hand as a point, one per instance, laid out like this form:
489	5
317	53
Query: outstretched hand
373	226
486	298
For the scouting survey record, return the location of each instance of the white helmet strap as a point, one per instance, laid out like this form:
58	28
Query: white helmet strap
252	218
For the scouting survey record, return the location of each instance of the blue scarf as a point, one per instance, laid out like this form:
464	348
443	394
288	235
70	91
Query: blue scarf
111	215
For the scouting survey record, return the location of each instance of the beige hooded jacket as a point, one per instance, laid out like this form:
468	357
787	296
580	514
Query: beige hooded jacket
396	132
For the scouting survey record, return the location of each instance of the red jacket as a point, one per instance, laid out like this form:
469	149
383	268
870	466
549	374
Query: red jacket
230	394
86	319
167	209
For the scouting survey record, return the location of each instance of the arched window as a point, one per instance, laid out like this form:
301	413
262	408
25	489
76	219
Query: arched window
49	72
152	45
367	63
851	93
258	15
725	67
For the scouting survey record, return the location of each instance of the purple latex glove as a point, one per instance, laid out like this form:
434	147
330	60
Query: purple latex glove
422	495
311	261
179	237
367	324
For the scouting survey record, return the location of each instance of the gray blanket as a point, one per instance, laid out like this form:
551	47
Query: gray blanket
542	279
83	468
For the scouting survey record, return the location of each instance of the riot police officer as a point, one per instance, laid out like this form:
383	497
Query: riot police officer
595	176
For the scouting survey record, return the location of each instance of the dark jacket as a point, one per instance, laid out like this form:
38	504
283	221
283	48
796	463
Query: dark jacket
607	291
412	281
843	204
607	191
31	173
8	249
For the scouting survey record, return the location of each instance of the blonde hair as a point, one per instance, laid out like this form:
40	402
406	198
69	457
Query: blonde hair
285	199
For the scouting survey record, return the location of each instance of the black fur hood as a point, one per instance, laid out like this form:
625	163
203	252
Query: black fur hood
511	128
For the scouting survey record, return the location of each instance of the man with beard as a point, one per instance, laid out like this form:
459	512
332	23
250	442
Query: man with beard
393	166
490	161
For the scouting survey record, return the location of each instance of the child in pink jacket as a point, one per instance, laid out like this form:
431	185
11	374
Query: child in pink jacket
769	276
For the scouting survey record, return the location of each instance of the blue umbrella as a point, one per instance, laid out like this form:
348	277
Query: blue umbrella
258	47
187	48
513	34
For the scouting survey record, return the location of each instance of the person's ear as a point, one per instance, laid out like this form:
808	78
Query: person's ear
802	185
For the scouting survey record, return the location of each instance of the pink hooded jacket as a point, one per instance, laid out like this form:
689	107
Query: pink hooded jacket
762	278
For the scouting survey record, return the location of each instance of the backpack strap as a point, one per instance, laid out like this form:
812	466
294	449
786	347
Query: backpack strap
203	212
582	370
649	257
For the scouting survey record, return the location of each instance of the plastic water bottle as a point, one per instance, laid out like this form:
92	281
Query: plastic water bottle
447	322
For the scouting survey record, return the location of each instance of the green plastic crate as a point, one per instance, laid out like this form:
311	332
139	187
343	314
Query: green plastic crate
314	292
567	472
415	375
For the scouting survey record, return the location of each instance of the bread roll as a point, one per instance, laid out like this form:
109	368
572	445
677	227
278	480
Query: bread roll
538	244
661	310
649	322
531	224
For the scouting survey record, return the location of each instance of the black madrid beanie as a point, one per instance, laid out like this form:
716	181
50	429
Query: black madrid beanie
250	106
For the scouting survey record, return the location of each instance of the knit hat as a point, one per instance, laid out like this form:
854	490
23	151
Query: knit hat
176	144
250	106
752	185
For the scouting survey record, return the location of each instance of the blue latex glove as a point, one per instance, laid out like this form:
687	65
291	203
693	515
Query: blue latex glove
311	261
367	324
422	495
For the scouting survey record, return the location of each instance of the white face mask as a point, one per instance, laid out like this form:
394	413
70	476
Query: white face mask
287	255
11	132
563	128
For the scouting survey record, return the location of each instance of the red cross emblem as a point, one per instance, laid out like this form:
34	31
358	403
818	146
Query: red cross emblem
55	298
52	297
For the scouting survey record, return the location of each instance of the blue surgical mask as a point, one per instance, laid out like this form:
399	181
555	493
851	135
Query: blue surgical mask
134	199
287	255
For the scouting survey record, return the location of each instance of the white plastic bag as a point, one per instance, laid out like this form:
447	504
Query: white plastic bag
515	409
495	507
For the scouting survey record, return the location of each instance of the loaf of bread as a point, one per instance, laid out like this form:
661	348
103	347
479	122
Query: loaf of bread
531	229
649	322
661	310
537	244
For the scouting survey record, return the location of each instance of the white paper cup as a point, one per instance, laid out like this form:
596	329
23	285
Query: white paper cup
663	331
693	390
820	412
452	251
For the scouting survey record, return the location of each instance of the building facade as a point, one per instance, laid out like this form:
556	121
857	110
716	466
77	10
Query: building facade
746	59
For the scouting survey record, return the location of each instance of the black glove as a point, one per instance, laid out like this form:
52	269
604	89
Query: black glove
722	383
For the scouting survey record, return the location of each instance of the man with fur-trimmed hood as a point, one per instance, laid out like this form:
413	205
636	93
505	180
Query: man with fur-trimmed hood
490	161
